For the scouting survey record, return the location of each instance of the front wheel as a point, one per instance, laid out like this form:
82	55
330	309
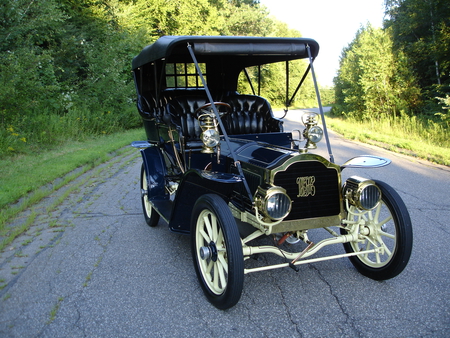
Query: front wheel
150	215
217	251
387	228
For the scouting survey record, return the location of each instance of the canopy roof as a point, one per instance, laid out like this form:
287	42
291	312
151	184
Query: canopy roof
248	50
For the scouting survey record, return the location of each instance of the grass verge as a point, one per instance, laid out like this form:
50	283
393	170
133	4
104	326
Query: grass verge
23	177
400	138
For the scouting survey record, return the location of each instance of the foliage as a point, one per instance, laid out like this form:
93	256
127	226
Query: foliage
64	69
272	84
28	78
399	72
327	95
421	29
445	116
390	81
372	80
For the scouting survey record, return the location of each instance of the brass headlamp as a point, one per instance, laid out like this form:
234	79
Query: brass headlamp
210	134
362	193
312	133
273	202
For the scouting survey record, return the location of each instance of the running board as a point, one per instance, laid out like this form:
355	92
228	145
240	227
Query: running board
163	208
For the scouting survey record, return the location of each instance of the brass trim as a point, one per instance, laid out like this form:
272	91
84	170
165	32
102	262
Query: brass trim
270	227
307	223
354	195
296	157
286	226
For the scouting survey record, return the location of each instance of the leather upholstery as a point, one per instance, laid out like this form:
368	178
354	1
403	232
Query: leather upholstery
250	115
181	110
147	106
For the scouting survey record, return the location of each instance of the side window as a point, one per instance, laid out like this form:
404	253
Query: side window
184	75
270	82
247	80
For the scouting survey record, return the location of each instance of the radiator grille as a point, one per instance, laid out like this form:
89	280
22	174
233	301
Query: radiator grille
323	199
241	199
253	180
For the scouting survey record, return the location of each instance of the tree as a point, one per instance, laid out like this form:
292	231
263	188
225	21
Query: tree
374	81
28	31
421	29
245	19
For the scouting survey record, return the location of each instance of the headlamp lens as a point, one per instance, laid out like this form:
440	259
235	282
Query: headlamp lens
278	206
210	138
315	134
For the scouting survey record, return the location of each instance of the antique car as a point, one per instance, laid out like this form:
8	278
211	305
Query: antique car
218	165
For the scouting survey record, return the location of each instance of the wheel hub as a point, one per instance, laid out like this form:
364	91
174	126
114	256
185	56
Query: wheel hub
143	192
209	252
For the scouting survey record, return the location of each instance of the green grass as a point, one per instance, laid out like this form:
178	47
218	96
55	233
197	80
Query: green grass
22	177
54	310
423	139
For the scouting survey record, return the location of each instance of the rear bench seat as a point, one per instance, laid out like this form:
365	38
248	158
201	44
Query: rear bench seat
181	110
250	114
149	107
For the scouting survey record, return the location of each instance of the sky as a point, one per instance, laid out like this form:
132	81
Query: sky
332	23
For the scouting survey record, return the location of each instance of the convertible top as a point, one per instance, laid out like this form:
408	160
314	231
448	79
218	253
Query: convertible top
255	50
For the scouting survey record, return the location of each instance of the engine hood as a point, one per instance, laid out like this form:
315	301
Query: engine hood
257	153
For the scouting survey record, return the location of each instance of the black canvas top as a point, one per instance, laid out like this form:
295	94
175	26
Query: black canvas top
250	50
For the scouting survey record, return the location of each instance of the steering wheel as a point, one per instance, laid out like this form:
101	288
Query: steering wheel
204	109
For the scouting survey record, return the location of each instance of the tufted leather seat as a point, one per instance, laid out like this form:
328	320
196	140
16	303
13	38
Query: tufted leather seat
147	106
250	115
181	110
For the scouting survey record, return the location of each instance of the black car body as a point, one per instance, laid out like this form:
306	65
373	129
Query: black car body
215	158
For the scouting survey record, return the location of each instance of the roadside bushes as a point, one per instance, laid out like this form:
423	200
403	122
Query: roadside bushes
64	74
34	132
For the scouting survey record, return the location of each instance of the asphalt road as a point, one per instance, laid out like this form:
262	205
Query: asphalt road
91	267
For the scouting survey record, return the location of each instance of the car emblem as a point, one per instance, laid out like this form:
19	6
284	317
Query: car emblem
306	186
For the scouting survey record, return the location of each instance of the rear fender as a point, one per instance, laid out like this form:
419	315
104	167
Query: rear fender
156	171
194	184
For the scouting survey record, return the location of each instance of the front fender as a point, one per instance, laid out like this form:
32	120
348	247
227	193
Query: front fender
366	161
194	184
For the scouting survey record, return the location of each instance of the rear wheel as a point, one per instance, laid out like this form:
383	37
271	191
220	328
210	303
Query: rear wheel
387	227
217	251
150	215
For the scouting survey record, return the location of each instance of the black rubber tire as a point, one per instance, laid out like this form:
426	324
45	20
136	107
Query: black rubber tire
401	240
150	215
224	235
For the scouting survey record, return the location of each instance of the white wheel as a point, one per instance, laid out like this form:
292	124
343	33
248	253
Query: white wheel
387	227
217	251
